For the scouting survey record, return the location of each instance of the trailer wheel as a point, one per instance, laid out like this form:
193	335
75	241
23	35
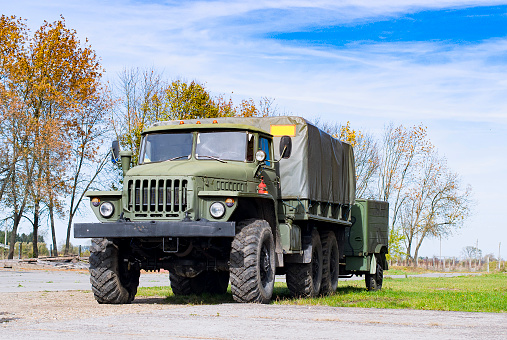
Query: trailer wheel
330	262
252	262
374	281
304	279
113	281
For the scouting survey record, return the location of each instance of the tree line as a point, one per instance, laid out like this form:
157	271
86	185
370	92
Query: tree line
58	116
25	238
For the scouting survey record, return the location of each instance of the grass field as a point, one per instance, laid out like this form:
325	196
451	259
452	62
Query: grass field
485	293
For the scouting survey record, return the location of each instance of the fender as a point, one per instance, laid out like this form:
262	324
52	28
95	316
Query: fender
114	197
239	194
381	248
265	208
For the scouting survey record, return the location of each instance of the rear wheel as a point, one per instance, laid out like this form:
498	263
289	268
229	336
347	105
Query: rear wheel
213	282
182	285
252	262
330	261
216	282
113	280
304	279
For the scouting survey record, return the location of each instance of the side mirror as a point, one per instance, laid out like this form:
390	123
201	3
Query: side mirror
285	147
115	149
126	159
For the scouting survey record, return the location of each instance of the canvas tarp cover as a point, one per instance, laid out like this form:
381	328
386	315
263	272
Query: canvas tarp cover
320	168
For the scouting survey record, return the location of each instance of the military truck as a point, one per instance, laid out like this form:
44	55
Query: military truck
235	200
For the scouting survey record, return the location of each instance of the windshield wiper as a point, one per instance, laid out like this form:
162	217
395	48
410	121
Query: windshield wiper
175	158
212	157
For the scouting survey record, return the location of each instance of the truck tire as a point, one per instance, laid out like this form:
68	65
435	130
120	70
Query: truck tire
216	282
304	279
252	262
113	281
182	285
374	281
330	263
211	282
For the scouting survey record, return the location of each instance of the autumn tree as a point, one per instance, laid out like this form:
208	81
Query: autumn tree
434	204
51	80
426	198
140	101
87	162
366	157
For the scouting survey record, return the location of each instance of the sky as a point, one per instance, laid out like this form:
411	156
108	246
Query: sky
442	64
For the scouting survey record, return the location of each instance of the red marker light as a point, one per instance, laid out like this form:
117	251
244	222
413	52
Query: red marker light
262	188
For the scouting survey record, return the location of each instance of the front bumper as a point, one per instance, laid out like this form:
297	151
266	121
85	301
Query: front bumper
123	229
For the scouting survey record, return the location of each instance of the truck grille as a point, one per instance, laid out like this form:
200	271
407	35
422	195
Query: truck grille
157	197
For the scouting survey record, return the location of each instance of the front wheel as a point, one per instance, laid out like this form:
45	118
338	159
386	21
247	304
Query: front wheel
252	262
113	280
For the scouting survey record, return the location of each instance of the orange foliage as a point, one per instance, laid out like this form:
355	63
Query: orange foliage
55	85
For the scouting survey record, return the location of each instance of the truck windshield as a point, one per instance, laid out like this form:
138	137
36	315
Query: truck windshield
221	145
158	147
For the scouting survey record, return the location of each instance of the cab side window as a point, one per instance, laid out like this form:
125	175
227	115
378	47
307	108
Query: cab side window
250	148
264	146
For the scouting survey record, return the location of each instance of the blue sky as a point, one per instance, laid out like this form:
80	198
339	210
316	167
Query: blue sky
462	25
441	63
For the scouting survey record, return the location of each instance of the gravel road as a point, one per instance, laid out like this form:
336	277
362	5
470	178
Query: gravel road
74	313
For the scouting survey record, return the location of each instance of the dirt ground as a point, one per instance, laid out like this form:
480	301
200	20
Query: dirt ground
41	306
66	305
76	314
50	315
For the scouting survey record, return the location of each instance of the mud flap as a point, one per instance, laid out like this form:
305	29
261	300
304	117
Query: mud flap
373	264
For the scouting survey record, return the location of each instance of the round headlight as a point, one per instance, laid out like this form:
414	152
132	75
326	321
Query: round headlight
217	210
106	209
260	156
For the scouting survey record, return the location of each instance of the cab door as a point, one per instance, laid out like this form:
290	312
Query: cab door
269	173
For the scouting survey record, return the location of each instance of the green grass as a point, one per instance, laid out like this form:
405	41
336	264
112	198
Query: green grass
485	293
406	271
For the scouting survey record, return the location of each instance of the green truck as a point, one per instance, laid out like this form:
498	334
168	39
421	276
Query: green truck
235	200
